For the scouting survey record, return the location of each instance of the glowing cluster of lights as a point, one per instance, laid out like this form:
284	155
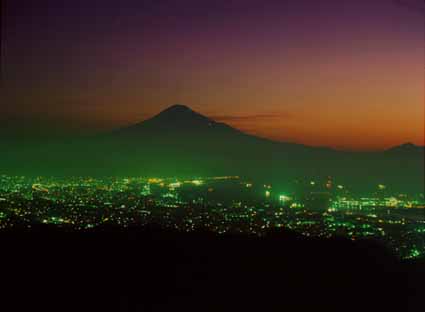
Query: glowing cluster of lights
284	198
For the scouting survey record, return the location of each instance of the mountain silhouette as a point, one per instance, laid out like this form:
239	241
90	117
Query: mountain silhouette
181	142
180	114
407	148
175	120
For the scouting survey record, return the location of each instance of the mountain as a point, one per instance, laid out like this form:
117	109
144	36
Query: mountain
181	142
407	149
176	120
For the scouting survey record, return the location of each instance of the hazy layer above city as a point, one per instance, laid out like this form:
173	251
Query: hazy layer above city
181	142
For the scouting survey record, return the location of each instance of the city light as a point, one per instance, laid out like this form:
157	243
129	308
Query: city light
174	185
284	198
220	204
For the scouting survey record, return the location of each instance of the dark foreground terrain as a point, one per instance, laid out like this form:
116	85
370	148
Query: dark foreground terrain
149	269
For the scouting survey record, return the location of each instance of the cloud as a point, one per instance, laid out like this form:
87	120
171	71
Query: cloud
249	118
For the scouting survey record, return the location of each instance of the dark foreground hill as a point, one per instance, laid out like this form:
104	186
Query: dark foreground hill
149	269
181	142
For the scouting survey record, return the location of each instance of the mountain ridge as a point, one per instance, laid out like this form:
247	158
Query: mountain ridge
181	142
178	114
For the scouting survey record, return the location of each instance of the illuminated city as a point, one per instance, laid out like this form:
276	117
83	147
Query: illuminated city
226	204
212	156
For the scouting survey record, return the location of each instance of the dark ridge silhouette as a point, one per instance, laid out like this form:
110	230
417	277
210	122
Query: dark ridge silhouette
407	148
181	142
152	269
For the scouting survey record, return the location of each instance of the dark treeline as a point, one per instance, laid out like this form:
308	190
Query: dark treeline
151	269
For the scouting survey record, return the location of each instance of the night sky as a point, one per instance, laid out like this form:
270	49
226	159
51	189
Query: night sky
346	74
